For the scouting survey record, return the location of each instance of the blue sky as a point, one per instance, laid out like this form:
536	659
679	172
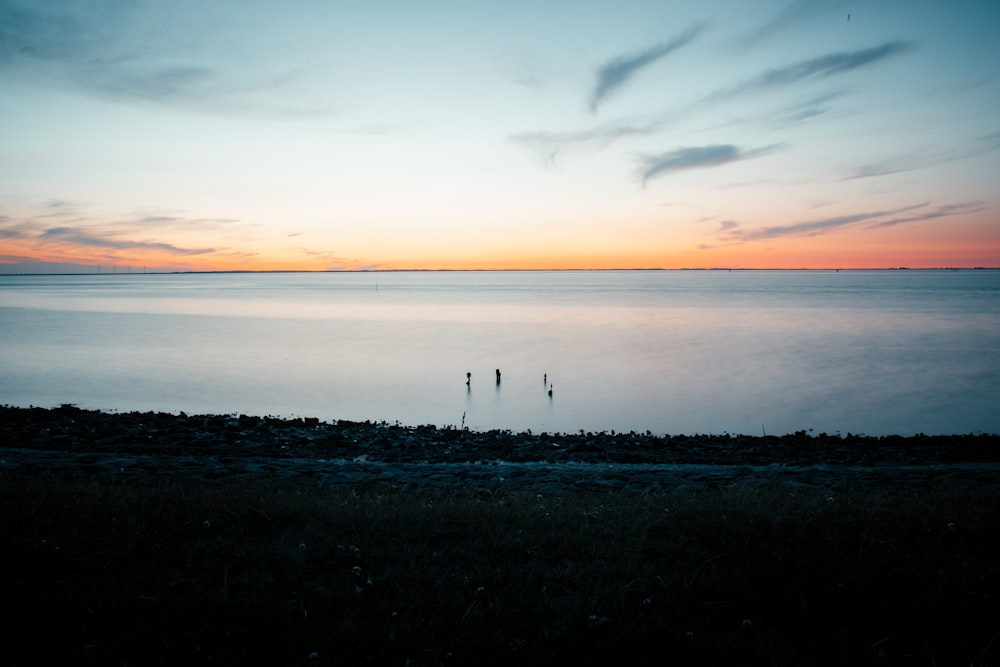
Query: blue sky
340	135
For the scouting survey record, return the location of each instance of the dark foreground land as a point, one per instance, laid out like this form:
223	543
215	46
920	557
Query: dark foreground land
170	539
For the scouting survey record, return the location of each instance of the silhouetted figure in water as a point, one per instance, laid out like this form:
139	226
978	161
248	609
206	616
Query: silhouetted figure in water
550	391
468	379
498	376
545	379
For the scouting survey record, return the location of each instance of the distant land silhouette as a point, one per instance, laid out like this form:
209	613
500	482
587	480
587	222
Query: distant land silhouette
57	268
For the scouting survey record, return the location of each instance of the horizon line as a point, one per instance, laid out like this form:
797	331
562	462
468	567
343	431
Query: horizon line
511	270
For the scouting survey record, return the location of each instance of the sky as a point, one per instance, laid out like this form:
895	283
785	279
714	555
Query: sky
337	135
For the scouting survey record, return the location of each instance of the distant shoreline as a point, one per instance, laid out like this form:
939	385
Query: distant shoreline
599	270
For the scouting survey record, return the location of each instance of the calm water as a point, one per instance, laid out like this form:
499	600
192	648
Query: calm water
668	351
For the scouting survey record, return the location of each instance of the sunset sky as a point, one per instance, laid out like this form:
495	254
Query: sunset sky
250	135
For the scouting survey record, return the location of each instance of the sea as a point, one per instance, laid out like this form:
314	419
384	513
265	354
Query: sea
669	352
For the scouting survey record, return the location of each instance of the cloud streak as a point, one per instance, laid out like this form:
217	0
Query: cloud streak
804	111
615	73
120	51
59	232
814	68
922	159
869	220
941	212
551	144
78	237
697	157
798	12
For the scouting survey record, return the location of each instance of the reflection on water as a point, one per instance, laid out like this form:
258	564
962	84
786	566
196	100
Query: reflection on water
666	351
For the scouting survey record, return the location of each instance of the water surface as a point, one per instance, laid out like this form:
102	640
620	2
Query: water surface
873	352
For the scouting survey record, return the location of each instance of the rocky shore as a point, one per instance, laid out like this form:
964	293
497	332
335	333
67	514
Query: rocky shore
69	440
146	538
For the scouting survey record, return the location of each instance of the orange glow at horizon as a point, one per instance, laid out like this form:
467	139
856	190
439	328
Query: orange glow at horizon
969	242
740	258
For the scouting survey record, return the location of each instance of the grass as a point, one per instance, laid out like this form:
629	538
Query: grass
257	571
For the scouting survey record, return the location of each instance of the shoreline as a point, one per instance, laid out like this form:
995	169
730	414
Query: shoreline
138	445
148	537
145	431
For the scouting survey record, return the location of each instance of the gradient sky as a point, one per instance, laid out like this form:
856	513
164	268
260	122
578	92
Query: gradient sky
217	134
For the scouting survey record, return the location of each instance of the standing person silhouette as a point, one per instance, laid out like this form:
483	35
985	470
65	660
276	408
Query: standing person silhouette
498	376
468	379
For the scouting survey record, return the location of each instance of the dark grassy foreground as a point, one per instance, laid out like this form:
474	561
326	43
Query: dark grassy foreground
258	571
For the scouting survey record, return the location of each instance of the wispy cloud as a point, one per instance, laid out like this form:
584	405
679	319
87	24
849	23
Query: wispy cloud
63	213
53	211
8	232
120	51
783	117
177	222
921	159
814	68
613	74
868	220
56	230
940	212
15	232
804	111
697	157
889	166
819	226
79	237
158	82
551	145
796	13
